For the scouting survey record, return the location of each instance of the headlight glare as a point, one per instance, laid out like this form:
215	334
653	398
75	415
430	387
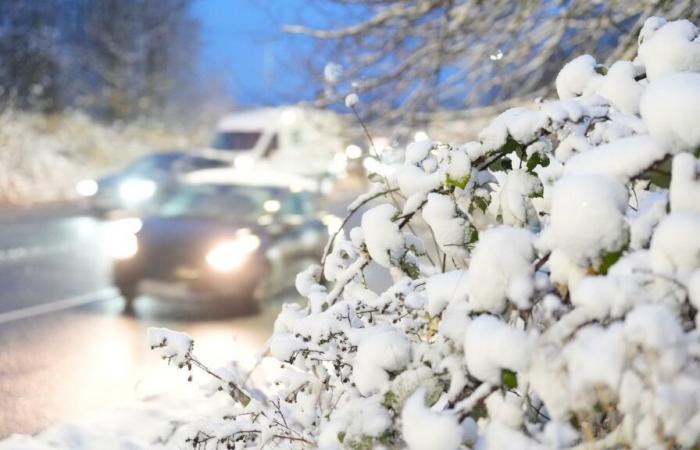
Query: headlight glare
136	190
87	188
121	245
231	254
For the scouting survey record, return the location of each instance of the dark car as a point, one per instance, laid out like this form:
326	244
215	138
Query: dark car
142	182
226	241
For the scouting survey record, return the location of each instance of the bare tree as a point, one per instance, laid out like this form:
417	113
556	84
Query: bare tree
412	57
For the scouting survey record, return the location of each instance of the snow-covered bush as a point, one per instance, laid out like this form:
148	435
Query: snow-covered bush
42	157
546	285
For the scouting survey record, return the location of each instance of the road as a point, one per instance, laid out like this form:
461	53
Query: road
66	351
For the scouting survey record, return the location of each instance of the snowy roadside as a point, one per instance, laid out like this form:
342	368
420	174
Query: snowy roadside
42	157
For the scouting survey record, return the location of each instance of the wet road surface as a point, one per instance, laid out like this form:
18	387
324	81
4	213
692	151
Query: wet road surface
66	349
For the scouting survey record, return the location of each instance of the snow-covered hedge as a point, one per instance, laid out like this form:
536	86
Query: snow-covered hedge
546	285
42	157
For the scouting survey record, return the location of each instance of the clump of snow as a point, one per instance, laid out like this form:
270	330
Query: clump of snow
578	77
621	88
587	218
445	288
382	236
351	100
669	107
501	270
685	183
417	418
379	351
669	47
491	345
675	246
174	346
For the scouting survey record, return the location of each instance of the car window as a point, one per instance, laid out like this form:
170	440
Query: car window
272	146
193	163
298	203
236	140
232	202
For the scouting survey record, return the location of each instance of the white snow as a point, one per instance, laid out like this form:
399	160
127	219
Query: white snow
685	183
491	345
351	100
417	419
451	229
668	48
379	350
587	217
675	246
445	288
385	242
578	77
670	107
623	158
501	269
174	346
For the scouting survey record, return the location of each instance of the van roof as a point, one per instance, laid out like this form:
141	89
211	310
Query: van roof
262	177
250	120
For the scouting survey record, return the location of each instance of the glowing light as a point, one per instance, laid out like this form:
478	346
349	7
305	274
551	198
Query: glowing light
137	190
353	151
272	206
420	136
87	188
121	245
496	56
230	255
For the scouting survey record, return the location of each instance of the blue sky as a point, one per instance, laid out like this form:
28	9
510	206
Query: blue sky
243	43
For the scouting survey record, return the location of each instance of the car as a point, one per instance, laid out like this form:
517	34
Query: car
142	182
222	237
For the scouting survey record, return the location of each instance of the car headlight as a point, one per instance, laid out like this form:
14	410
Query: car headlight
121	245
136	190
86	188
231	254
119	240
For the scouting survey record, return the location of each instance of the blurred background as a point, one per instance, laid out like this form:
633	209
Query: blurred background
176	162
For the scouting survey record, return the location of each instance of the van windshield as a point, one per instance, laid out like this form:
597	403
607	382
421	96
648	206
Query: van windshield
236	140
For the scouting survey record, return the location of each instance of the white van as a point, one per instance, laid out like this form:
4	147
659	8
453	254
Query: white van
292	139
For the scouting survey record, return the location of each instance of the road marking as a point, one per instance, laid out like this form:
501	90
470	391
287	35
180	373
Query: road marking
59	305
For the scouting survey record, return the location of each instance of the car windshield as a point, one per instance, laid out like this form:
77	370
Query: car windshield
153	163
219	201
236	140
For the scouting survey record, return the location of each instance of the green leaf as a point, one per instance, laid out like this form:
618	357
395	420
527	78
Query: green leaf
602	70
474	236
480	203
341	436
459	182
537	159
479	411
509	378
410	269
609	259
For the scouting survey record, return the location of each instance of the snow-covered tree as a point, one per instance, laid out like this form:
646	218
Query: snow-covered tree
546	285
412	57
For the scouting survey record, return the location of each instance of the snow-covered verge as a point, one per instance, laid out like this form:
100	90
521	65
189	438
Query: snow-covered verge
561	311
42	157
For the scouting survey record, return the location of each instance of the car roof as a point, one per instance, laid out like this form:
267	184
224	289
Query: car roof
260	177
